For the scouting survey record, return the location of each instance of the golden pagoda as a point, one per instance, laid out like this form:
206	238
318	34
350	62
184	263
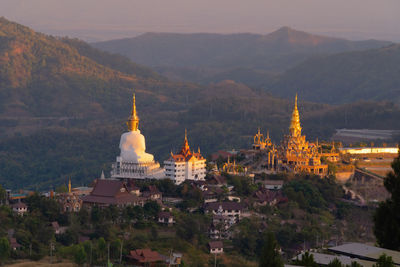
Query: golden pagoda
297	154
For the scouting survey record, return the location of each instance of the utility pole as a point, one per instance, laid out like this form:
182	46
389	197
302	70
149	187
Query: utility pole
120	254
91	252
108	254
51	251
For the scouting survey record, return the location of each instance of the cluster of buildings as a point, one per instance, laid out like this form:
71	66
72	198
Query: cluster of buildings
134	163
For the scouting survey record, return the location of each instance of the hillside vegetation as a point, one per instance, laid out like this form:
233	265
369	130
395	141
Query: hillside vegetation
346	77
63	106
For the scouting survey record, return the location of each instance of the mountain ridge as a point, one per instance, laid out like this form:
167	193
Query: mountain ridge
233	50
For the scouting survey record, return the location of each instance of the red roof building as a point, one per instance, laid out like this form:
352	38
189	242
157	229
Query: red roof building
144	257
111	192
216	247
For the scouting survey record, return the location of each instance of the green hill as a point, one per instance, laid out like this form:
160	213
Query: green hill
346	77
63	106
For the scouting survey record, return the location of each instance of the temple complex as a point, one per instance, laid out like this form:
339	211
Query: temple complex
297	154
294	153
185	165
134	162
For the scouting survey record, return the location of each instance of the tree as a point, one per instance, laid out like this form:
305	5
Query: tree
270	256
80	255
384	261
3	195
4	250
307	259
151	209
387	215
354	264
335	263
101	246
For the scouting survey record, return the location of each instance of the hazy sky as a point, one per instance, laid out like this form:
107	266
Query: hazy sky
106	19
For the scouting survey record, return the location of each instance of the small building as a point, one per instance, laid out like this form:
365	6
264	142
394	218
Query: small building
133	188
365	252
71	201
216	247
324	259
14	245
175	259
269	197
166	217
209	196
144	257
272	184
111	192
185	165
20	208
228	208
58	230
217	180
152	193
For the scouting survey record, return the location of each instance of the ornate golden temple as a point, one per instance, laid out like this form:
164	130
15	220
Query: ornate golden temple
294	153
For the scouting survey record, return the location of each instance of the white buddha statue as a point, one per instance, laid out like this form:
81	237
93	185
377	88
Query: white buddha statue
133	144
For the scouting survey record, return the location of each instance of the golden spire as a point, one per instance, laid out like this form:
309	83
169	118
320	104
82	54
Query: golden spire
185	148
69	185
295	128
133	121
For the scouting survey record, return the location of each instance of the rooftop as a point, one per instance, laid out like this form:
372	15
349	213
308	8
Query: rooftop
366	252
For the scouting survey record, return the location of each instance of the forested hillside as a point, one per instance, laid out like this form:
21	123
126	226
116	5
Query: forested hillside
63	106
346	77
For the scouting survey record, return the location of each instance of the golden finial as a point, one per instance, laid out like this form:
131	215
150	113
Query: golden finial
69	185
198	149
185	134
268	134
133	121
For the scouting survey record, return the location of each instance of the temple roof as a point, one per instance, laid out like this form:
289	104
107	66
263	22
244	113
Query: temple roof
185	154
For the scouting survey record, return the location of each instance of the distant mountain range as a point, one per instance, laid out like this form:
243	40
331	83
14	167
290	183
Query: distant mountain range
323	69
63	105
276	51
